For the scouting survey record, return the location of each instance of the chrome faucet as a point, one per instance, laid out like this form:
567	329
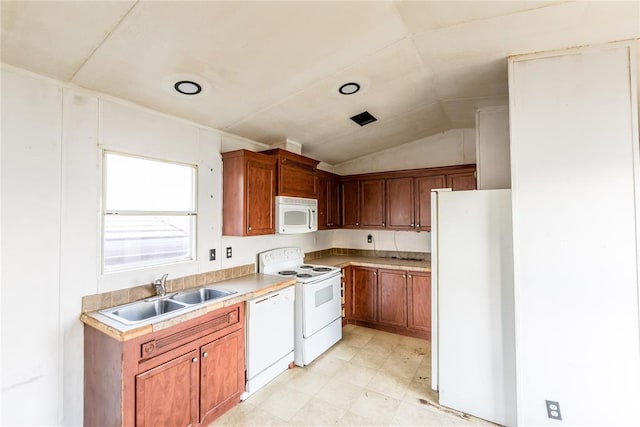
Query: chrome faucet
160	285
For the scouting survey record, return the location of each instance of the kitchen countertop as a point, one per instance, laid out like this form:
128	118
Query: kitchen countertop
247	287
375	262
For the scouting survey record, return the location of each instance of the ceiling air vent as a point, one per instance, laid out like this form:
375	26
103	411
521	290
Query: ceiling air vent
363	118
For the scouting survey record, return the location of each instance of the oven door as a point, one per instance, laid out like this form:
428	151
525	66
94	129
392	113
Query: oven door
321	304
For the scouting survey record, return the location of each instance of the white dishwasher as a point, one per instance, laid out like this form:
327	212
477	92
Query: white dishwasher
269	337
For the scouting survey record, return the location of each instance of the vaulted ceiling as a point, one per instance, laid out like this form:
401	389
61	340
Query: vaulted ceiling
271	70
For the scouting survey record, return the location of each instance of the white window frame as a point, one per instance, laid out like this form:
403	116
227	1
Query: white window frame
105	212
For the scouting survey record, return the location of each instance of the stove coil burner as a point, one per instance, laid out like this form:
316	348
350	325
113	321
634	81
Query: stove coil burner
322	269
306	266
287	273
304	275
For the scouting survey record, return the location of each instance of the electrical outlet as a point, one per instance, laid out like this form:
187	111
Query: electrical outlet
212	254
369	238
229	253
553	410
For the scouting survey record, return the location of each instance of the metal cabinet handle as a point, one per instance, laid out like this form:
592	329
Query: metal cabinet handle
194	360
205	354
249	228
410	276
383	224
404	275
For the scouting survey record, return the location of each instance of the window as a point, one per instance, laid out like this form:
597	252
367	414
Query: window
149	212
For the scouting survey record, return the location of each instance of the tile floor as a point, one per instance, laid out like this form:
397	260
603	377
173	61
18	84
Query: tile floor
369	378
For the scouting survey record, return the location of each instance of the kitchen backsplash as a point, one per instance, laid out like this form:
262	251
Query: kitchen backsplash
309	256
123	296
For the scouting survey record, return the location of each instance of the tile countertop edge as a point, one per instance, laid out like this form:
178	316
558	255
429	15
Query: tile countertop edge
374	262
248	287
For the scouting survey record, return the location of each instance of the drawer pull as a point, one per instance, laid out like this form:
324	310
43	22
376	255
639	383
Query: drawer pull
194	360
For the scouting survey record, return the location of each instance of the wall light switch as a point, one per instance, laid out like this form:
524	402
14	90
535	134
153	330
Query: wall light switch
229	253
212	254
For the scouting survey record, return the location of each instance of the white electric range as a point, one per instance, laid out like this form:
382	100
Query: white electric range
318	306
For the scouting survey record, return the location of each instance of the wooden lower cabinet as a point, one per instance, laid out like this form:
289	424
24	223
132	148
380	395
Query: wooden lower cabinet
419	295
364	292
222	372
392	298
397	301
168	394
185	375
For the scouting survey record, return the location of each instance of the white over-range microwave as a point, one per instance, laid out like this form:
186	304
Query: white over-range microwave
296	215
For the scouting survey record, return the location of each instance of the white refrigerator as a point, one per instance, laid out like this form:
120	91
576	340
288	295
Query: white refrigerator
473	345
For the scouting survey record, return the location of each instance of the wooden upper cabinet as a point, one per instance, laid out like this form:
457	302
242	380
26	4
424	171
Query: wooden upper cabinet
465	180
372	203
399	200
249	189
328	200
350	191
296	174
400	203
424	185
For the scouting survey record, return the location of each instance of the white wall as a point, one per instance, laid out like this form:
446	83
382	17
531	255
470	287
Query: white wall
575	176
52	140
493	161
453	147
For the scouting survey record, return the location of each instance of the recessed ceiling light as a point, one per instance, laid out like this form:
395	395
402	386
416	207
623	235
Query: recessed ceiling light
349	88
187	87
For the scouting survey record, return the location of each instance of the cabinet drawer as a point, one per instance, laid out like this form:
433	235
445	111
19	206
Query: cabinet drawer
222	319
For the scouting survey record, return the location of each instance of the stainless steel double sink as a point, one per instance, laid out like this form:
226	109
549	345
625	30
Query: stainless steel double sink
162	307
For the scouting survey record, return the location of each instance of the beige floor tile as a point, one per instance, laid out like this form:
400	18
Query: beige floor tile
400	367
359	330
339	393
375	406
237	416
284	402
308	381
370	378
352	419
388	385
342	351
328	365
317	413
356	340
370	358
357	374
415	415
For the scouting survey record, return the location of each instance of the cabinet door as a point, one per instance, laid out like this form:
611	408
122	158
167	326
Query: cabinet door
222	372
364	293
462	181
323	201
400	204
297	179
333	203
350	204
392	297
260	197
419	286
424	185
347	277
167	395
372	203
